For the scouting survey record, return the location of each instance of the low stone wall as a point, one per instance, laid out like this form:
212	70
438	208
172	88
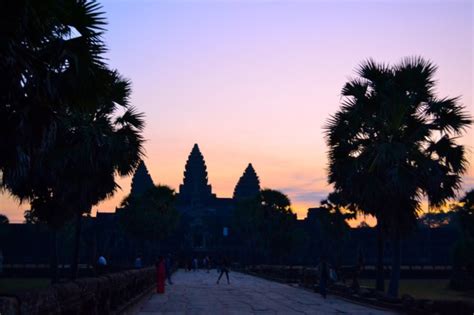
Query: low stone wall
108	294
308	278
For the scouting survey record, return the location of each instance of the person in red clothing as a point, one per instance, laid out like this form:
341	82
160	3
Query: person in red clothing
160	275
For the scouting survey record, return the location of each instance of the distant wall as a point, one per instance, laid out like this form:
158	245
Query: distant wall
108	294
25	246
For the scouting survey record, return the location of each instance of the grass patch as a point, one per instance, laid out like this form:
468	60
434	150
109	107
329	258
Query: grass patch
12	285
426	289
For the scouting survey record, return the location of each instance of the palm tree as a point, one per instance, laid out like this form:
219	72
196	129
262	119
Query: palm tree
61	145
51	60
392	143
99	148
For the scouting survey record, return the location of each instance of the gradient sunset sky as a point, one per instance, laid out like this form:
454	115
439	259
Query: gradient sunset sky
256	81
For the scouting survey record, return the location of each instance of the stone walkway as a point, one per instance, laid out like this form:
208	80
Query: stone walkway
198	293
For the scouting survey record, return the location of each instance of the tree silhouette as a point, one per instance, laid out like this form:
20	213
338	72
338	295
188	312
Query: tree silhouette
267	225
4	219
51	61
393	142
463	254
151	216
63	138
331	219
30	217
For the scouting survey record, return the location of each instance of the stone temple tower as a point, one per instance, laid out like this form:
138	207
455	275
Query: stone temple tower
248	185
195	189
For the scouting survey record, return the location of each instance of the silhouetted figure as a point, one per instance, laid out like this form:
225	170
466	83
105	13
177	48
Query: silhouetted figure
323	276
138	262
101	265
195	264
207	263
160	275
189	263
224	265
169	268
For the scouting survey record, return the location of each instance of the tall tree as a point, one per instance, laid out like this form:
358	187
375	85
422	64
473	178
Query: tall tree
393	142
331	220
151	216
51	60
266	225
462	277
99	146
63	139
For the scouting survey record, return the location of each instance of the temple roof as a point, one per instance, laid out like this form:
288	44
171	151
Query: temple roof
141	180
248	185
195	186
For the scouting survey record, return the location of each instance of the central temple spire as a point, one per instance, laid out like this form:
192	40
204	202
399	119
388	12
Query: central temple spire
195	188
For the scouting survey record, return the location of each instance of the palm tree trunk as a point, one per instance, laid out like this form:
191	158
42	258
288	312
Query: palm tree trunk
54	255
395	274
380	285
77	245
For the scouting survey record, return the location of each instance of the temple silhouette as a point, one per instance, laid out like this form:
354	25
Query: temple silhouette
204	216
206	228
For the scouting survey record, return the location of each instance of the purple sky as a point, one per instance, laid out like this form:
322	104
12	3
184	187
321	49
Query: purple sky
255	81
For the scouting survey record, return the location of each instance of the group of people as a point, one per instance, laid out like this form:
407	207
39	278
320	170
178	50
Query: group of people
164	269
194	264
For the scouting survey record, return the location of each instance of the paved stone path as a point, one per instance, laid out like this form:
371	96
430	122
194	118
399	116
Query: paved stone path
198	293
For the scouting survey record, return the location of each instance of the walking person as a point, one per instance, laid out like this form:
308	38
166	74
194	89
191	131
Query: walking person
323	276
138	262
101	265
195	264
207	263
169	268
160	275
224	265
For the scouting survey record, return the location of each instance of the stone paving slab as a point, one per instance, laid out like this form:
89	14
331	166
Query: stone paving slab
198	293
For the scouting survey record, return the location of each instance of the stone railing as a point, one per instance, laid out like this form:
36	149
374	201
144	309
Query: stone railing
308	278
107	294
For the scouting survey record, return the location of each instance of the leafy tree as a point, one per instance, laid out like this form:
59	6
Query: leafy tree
98	148
331	221
151	216
4	219
465	212
30	217
51	61
437	219
279	223
248	223
393	142
463	255
267	224
64	140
